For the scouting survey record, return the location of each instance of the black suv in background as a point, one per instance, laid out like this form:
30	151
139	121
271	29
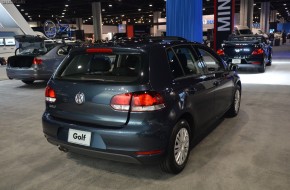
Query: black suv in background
139	102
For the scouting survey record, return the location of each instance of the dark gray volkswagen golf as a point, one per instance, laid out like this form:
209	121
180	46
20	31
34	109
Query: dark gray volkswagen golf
141	102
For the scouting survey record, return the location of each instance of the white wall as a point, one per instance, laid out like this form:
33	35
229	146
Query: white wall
89	29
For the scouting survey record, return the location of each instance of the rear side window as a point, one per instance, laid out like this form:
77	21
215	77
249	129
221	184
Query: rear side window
211	63
102	67
187	60
182	61
174	64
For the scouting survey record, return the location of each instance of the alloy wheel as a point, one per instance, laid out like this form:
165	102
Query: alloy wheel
237	100
181	146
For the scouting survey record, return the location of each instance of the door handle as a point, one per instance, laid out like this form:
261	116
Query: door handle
191	90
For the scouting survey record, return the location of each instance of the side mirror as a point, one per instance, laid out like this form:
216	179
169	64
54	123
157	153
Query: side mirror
233	67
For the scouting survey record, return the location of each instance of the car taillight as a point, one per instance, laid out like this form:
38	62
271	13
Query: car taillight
50	95
121	101
140	101
220	52
37	61
258	51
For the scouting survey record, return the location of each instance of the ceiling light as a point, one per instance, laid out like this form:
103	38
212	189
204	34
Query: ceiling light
66	5
103	10
22	10
203	9
139	9
18	5
63	13
110	5
150	5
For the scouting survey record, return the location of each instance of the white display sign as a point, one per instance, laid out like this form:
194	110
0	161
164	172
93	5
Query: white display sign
1	41
79	137
9	41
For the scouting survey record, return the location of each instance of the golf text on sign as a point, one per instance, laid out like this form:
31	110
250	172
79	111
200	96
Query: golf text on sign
79	137
224	20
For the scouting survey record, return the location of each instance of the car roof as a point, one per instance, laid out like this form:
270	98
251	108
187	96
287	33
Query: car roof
138	44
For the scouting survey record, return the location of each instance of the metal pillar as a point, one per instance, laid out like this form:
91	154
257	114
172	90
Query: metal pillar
246	13
12	18
156	16
79	23
97	20
273	16
264	18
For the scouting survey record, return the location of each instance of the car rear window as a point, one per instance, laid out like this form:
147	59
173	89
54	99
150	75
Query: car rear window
102	67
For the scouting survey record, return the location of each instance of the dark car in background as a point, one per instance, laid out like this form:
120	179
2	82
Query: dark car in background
143	102
35	59
248	51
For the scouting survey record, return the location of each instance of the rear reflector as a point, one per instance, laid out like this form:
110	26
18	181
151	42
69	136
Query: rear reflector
99	50
140	101
220	52
258	51
37	61
149	152
256	62
50	95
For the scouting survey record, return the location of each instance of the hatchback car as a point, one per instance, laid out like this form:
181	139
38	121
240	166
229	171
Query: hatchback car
139	102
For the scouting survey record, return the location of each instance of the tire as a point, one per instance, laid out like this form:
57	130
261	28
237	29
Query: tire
28	81
262	69
236	102
178	149
269	59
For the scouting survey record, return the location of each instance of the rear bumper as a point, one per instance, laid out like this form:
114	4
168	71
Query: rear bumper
252	63
27	73
121	144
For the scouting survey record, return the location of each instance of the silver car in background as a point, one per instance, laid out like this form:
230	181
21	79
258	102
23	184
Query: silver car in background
35	59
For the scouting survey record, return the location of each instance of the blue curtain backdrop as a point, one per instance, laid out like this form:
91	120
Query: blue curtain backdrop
184	19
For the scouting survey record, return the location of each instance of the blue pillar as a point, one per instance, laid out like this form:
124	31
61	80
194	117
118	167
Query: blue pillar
184	19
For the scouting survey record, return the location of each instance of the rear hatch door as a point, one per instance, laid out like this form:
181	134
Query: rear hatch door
90	103
85	84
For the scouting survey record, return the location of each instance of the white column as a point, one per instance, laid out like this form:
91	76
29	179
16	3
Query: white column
246	13
156	16
273	16
97	20
79	23
264	18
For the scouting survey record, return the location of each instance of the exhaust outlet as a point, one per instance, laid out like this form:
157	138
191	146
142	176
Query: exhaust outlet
62	149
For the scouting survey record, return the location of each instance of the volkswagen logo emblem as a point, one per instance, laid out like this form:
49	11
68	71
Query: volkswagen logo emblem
80	98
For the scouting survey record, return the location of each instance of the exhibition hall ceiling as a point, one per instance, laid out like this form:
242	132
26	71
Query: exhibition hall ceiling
116	11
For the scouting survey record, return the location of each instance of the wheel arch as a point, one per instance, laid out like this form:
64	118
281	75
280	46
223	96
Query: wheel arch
190	119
